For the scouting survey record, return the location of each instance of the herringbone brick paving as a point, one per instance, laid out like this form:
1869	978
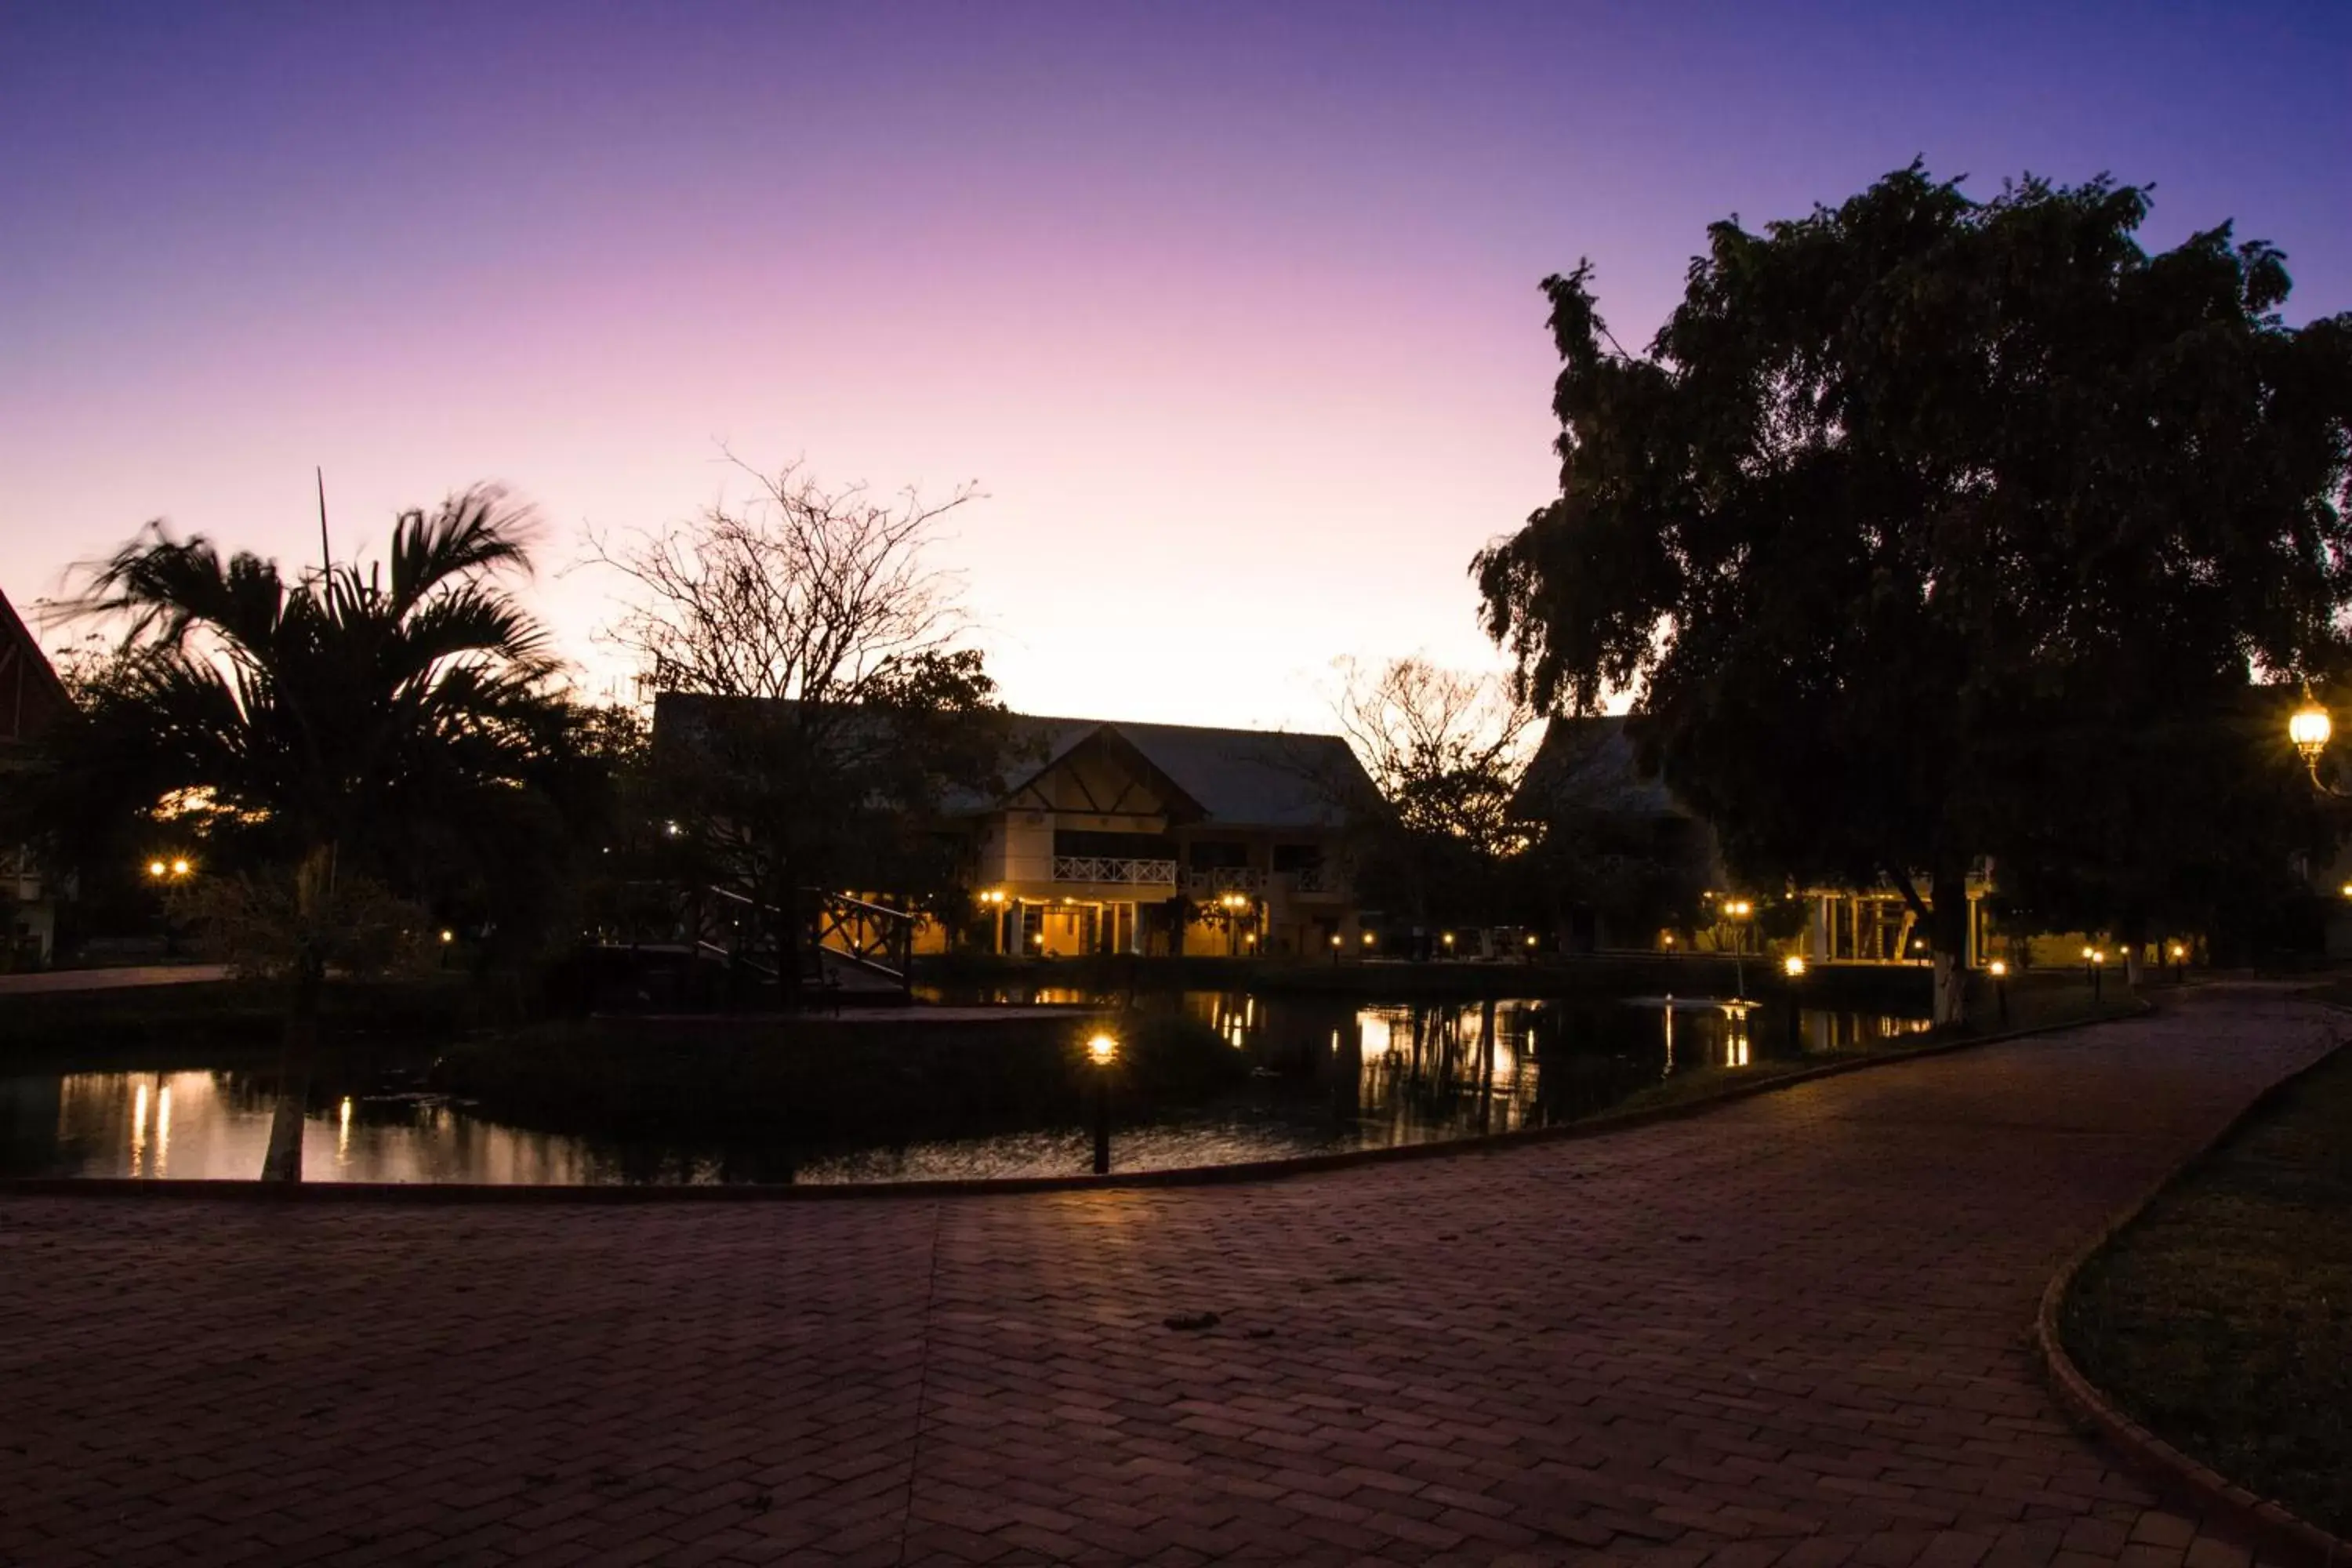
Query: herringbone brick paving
1791	1331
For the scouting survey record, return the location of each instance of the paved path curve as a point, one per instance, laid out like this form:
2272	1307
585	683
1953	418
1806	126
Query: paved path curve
1789	1331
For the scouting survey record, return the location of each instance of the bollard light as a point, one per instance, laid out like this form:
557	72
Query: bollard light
1102	1050
1998	969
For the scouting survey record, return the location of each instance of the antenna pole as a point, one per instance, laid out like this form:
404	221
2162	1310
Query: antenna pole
326	556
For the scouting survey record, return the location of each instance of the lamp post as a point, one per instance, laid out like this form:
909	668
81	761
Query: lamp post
2096	959
1101	1052
1448	940
1793	966
1999	970
992	900
2310	728
1336	945
2179	952
1531	944
168	873
1736	910
1232	904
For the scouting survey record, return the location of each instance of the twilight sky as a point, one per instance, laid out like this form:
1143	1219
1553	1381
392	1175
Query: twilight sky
1230	309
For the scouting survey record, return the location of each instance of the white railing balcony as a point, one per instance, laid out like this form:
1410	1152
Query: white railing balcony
1227	879
1315	882
1114	869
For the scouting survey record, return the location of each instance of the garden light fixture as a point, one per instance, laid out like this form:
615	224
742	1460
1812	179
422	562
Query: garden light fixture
1102	1050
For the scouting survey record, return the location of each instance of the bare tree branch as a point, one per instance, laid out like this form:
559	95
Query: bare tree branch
820	596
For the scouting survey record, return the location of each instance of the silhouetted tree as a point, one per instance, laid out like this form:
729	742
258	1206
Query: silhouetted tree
1445	749
1899	481
329	734
840	710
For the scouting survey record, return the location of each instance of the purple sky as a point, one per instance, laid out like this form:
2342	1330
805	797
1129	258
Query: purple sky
1230	310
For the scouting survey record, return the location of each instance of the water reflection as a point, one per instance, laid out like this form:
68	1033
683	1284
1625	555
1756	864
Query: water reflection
1327	1075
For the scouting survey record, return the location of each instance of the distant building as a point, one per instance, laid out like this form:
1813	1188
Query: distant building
1114	836
31	700
1586	783
1131	837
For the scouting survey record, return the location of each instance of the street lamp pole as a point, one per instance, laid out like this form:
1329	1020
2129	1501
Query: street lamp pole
2000	969
1793	967
1737	909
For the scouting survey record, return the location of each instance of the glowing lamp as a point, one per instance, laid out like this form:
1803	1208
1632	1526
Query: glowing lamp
2309	729
1103	1050
179	868
1335	941
156	867
448	936
1793	967
2000	969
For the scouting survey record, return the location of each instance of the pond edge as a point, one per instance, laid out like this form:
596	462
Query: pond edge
252	1191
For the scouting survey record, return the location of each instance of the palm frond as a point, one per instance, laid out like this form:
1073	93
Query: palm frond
479	530
168	587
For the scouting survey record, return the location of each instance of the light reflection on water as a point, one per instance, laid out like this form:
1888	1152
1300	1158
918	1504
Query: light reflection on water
1328	1075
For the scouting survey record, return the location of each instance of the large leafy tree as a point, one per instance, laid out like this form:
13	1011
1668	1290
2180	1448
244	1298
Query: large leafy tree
355	739
1902	488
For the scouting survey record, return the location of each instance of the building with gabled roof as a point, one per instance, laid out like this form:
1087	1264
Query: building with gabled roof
1114	836
1122	837
32	699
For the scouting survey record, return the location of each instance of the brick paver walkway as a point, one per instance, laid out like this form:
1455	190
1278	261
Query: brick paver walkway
1789	1331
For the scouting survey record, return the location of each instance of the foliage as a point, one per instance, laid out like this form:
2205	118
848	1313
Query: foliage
339	713
1901	484
256	923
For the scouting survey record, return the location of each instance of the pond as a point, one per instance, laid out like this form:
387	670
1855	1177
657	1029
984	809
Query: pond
1328	1075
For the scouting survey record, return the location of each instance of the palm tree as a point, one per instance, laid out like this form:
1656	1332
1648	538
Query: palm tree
336	717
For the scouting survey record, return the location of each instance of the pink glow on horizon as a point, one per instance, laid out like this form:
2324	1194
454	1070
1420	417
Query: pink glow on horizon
1233	317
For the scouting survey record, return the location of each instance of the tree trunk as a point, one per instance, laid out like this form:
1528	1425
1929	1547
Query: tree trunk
1948	938
298	1047
313	886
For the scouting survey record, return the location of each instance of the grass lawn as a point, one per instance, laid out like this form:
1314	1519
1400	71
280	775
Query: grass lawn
2222	1319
